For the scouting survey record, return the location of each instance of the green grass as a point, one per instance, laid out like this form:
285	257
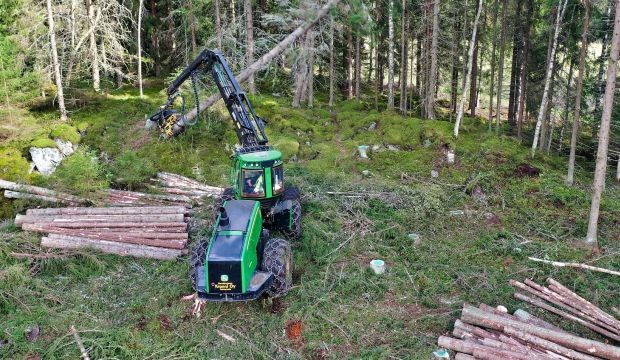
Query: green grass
131	308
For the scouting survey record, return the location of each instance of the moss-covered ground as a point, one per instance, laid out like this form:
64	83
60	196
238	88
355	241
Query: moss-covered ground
129	308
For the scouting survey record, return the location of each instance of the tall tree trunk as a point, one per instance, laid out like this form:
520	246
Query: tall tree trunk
349	62
517	41
358	66
461	110
403	60
524	68
432	80
331	63
567	96
94	59
390	84
570	177
548	78
454	80
192	25
473	93
500	75
301	72
378	78
492	81
56	63
603	142
310	79
140	9
249	39
218	25
600	83
418	65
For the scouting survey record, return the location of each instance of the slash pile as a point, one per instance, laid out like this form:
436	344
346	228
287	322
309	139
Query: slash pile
158	232
485	332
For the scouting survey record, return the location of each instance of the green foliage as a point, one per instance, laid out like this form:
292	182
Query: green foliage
81	173
66	132
43	142
13	166
131	170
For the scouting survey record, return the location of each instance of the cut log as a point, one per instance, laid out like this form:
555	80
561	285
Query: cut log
121	226
142	210
22	219
529	318
548	345
474	316
40	191
461	356
470	347
172	244
10	194
110	247
139	195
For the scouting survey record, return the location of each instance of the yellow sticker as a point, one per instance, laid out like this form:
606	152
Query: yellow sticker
225	286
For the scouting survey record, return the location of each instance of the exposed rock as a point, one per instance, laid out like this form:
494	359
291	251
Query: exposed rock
372	126
427	143
492	219
376	148
45	159
393	148
366	173
479	195
362	150
434	174
66	147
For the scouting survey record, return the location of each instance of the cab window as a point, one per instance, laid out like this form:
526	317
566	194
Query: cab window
277	176
253	183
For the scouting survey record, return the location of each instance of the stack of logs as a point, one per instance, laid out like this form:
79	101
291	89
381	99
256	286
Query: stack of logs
20	191
158	232
485	332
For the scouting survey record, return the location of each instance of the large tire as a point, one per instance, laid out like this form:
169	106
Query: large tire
278	260
294	231
227	194
199	255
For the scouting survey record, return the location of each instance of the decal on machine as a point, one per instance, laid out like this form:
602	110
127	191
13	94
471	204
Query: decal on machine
224	286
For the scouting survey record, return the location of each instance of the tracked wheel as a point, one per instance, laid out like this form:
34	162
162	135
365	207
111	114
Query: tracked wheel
278	260
198	259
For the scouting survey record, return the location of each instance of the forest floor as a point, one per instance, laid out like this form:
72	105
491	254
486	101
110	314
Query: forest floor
129	308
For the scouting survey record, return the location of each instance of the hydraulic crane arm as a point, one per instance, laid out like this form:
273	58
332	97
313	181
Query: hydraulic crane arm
250	128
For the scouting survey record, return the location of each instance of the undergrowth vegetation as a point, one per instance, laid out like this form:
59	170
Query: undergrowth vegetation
457	237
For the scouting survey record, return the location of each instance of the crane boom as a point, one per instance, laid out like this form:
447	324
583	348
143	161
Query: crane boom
250	128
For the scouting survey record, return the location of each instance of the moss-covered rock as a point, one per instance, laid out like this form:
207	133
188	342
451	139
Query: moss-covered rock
66	132
13	166
288	147
43	142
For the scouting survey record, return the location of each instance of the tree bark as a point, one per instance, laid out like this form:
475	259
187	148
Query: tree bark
432	82
567	97
249	39
270	55
403	60
55	62
524	68
516	66
500	75
548	78
358	66
331	63
492	81
570	177
473	93
390	84
349	62
218	25
94	58
192	25
454	80
603	140
141	6
461	109
600	83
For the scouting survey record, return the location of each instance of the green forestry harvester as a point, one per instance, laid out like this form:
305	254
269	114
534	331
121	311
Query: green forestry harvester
240	261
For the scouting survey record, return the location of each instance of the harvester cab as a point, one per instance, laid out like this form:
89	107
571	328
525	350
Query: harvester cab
239	261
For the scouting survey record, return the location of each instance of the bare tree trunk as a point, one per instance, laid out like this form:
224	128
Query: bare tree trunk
461	110
603	143
432	83
94	59
349	62
524	69
569	79
270	55
516	66
570	177
548	78
218	25
331	63
249	39
492	83
141	6
474	75
358	66
56	63
390	84
192	25
600	83
378	84
500	75
454	81
310	79
403	59
301	72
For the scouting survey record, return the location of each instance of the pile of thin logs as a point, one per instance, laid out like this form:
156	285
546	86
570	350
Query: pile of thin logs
563	302
158	232
485	332
174	184
19	191
113	197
